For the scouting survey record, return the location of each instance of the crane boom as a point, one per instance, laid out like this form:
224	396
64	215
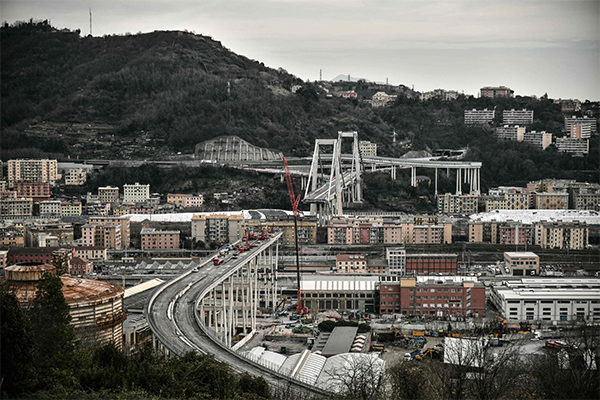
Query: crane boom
295	201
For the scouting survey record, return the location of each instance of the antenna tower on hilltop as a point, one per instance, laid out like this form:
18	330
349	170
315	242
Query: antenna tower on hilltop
90	21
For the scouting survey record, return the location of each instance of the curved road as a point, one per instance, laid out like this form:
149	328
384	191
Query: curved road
171	313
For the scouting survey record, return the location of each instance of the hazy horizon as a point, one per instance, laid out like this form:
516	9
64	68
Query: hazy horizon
533	47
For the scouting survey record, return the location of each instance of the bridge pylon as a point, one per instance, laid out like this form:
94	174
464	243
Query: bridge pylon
328	197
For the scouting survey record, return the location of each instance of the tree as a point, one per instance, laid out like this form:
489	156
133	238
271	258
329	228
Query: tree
18	346
360	378
51	323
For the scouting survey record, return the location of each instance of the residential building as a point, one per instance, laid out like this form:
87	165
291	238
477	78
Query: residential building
38	191
568	105
510	132
123	222
396	259
495	203
562	235
351	263
108	194
90	252
50	208
431	263
157	239
496	92
547	300
587	201
3	259
11	236
382	99
377	266
347	294
16	208
580	131
517	117
33	255
512	232
307	230
437	298
33	170
218	228
522	263
454	204
440	94
69	209
572	145
136	193
520	200
590	123
59	234
104	235
551	200
81	266
367	148
185	200
75	177
351	94
539	140
479	117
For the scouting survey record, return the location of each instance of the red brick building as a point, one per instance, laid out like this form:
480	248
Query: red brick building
431	263
40	255
81	266
420	299
155	239
38	191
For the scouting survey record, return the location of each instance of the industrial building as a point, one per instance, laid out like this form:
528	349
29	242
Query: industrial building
548	300
339	292
96	307
522	263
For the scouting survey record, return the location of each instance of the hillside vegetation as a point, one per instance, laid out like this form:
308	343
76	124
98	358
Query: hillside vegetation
148	96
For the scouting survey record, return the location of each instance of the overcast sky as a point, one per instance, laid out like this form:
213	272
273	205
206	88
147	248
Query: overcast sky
531	46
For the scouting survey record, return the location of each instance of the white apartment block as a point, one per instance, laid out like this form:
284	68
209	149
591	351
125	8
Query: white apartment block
514	132
517	117
479	117
591	122
573	145
136	193
539	140
367	148
75	177
548	300
396	258
33	170
382	99
580	131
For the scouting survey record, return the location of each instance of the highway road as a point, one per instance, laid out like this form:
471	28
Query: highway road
172	314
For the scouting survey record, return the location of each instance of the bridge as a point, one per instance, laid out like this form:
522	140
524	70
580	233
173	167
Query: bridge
204	308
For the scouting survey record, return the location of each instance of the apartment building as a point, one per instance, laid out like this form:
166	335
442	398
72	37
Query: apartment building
90	252
494	92
108	194
38	191
517	117
103	235
568	105
307	230
367	148
522	263
49	235
590	123
157	239
586	201
509	232
493	203
580	131
136	193
81	266
463	204
218	228
508	132
123	222
396	259
402	230
16	208
520	200
479	117
572	145
562	235
382	99
75	177
33	170
11	237
185	200
432	298
547	301
351	263
551	200
440	94
50	208
539	140
69	209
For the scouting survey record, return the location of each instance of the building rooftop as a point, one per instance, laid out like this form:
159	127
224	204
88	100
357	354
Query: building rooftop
520	254
590	217
340	340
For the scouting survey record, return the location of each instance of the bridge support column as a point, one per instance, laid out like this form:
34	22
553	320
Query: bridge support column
413	176
216	320
436	182
393	172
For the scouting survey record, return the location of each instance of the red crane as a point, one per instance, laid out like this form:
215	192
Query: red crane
295	201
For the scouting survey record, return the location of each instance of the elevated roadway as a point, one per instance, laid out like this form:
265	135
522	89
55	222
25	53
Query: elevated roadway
172	314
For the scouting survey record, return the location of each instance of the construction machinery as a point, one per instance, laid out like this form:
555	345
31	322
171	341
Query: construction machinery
294	200
433	353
